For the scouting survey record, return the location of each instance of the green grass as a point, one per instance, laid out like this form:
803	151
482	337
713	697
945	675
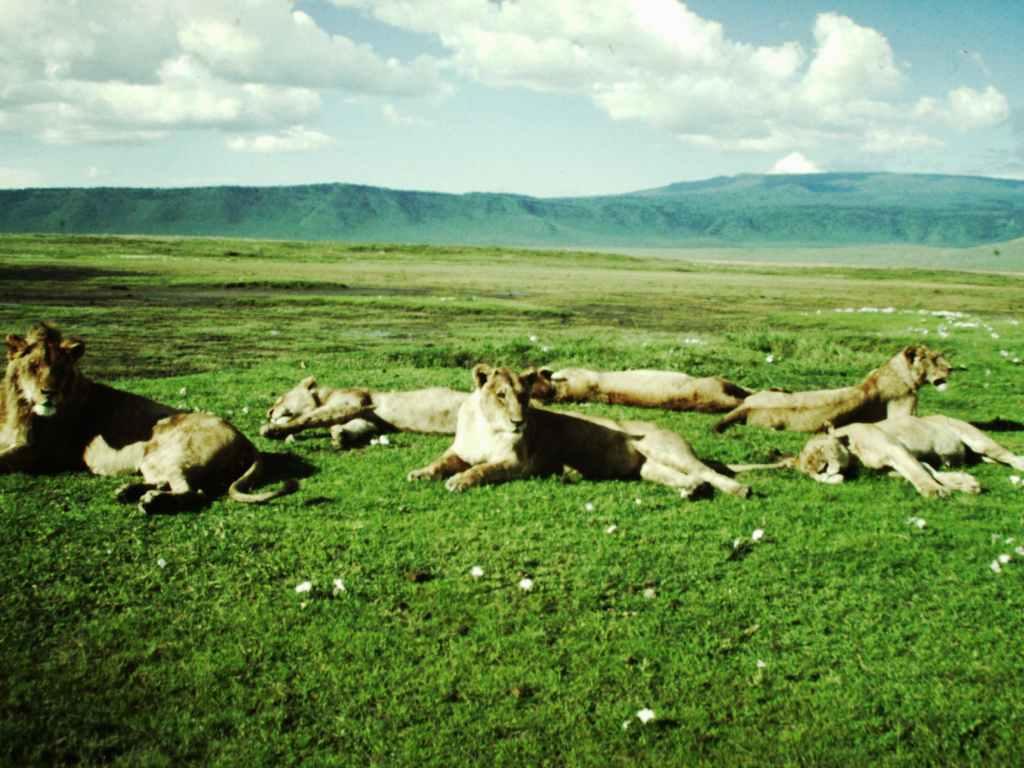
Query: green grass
881	643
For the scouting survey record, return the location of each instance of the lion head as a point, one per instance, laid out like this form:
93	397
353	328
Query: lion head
299	400
503	396
825	458
42	368
566	384
927	366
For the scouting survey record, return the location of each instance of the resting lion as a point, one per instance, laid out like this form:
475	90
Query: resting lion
909	445
887	391
53	418
500	437
649	389
356	415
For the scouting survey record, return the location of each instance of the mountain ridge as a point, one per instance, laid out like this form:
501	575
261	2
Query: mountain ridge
749	209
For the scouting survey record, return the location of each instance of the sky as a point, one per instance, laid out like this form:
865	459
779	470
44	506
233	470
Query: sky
538	97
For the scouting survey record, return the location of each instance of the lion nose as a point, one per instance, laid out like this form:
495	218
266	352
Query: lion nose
49	393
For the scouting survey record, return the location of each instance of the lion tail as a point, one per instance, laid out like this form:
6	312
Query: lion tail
736	414
786	463
238	490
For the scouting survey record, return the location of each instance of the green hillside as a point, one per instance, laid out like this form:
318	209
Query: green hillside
819	209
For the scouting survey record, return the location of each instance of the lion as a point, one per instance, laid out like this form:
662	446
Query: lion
54	418
356	415
646	388
909	445
887	391
501	437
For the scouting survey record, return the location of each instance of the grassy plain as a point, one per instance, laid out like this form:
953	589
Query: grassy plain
847	636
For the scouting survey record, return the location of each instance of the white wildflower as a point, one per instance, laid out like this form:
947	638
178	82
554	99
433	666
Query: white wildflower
534	339
275	332
1004	352
183	391
162	563
757	535
625	725
995	335
245	409
304	587
339	586
1004	559
290	439
736	543
920	522
1015	480
476	572
638	501
761	664
611	528
589	506
526	584
650	593
384	440
996	567
769	359
1019	551
645	715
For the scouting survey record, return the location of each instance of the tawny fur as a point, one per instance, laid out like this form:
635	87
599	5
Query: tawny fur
912	446
887	391
54	418
669	390
501	437
356	415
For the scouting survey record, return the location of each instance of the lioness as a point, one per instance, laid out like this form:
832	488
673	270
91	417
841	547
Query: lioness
908	445
501	437
650	389
356	415
887	391
54	418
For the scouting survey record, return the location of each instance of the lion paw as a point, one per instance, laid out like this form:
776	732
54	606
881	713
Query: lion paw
460	482
272	431
425	473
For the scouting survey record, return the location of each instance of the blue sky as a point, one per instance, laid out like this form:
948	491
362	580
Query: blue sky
540	97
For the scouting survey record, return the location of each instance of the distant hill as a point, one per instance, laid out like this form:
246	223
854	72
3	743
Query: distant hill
815	209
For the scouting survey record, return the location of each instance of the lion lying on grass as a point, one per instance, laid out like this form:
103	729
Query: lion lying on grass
500	437
909	445
53	418
649	389
356	415
887	391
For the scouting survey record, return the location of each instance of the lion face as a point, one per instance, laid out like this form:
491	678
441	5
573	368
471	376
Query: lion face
566	384
299	400
927	366
43	368
825	458
504	396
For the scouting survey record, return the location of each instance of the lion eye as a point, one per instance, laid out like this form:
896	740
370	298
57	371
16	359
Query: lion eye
501	395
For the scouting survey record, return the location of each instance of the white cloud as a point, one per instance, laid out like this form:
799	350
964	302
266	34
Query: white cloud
142	68
396	117
19	178
658	62
977	109
794	162
294	139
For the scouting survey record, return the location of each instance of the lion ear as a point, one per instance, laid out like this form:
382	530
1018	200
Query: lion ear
16	345
74	347
309	382
481	372
528	377
911	352
544	373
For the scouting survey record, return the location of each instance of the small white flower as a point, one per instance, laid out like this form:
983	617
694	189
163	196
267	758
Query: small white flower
290	439
625	725
245	409
650	594
534	339
1004	352
736	543
162	563
183	391
589	506
339	586
920	522
526	584
996	567
304	587
384	440
645	715
1019	551
638	501
611	528
757	535
302	364
476	572
995	335
275	332
769	359
761	664
1004	559
1015	480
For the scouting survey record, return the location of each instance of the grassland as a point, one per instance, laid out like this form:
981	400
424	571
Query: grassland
847	636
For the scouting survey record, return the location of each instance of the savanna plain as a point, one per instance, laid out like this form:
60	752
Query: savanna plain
866	626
